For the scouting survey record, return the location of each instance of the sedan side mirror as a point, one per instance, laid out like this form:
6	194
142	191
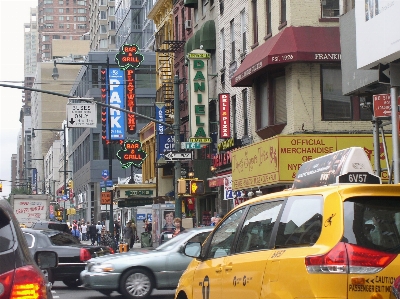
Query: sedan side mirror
46	259
193	249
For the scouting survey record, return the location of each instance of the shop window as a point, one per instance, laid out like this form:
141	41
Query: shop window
329	8
335	106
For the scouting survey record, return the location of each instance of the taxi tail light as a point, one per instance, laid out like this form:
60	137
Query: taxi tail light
348	258
28	284
84	255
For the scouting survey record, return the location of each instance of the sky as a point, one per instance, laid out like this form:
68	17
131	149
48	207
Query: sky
13	15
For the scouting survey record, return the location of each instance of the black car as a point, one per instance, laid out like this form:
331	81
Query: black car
18	271
61	226
72	254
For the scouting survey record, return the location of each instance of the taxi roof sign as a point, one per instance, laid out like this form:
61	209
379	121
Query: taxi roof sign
335	167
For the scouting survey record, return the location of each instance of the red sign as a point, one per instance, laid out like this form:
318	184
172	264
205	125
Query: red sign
224	115
130	100
382	105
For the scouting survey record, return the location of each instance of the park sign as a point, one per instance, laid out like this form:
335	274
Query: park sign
131	154
198	86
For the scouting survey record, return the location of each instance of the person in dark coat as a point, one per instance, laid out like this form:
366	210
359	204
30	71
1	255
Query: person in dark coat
92	233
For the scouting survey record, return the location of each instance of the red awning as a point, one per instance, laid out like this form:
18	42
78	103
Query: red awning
293	44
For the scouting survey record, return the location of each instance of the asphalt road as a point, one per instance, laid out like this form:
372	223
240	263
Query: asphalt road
61	291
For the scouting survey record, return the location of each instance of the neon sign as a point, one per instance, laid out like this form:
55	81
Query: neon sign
131	153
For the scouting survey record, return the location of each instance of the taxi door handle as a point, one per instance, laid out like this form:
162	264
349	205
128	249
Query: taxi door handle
218	268
229	267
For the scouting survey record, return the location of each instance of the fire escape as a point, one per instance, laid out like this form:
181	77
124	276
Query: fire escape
166	49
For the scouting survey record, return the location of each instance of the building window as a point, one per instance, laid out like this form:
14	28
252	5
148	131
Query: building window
271	101
56	37
103	2
335	106
176	31
268	13
82	10
245	113
48	10
283	11
112	25
255	20
222	38
103	29
61	10
103	43
203	8
221	7
103	15
232	31
60	2
183	24
234	116
243	28
48	18
81	26
61	18
330	8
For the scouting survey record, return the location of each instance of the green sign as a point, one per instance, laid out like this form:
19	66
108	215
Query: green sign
135	202
138	192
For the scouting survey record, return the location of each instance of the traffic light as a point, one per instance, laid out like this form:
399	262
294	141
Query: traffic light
70	184
1	187
182	186
196	187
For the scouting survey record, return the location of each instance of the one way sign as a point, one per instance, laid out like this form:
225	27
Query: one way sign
178	156
82	115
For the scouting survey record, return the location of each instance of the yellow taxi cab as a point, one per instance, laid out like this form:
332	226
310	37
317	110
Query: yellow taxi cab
338	240
22	225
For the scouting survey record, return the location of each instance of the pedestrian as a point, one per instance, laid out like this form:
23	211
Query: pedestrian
134	233
75	232
92	233
212	221
117	230
84	231
128	233
178	226
217	219
98	229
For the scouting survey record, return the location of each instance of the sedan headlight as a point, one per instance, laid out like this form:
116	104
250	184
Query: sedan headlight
107	267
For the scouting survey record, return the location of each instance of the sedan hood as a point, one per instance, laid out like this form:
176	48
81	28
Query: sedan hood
119	257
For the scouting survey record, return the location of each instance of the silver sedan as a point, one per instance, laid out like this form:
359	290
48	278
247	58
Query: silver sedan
135	274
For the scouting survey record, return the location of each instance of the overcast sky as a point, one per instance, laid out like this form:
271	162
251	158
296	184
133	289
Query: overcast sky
13	15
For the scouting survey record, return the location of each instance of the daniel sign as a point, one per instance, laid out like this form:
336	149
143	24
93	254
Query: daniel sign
82	115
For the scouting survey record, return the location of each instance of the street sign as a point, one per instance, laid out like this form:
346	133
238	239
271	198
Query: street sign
105	198
82	115
104	174
200	139
178	156
382	105
109	183
190	145
137	202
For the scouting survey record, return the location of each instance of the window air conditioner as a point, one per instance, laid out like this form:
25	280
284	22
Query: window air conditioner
188	24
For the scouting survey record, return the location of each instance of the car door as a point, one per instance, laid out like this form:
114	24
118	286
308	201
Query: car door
243	271
177	262
207	283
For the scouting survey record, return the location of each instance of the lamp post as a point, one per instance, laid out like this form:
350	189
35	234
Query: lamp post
65	157
43	175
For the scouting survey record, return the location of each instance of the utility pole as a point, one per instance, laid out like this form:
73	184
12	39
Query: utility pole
176	127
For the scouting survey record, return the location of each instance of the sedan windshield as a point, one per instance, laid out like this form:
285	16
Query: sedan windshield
60	238
174	242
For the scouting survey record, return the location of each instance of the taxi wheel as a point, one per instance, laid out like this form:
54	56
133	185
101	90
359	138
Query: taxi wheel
136	283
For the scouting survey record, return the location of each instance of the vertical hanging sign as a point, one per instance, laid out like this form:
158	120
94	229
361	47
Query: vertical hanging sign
160	116
103	88
198	84
224	116
130	101
128	59
116	86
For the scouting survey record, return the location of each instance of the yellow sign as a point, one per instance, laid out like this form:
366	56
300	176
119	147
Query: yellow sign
277	160
200	140
199	55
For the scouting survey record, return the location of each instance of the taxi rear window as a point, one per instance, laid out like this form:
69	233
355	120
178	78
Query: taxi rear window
373	222
6	235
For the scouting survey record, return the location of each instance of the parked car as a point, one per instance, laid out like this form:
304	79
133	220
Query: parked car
338	240
19	271
136	273
61	226
72	254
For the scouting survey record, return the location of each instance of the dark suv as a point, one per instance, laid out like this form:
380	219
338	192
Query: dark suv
19	274
61	226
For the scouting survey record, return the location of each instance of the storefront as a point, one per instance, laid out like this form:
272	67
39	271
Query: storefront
274	162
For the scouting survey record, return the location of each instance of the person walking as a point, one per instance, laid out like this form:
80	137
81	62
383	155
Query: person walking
75	232
178	226
117	231
98	229
134	234
128	233
92	233
84	231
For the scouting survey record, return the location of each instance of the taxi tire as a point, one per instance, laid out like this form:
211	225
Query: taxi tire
72	283
139	278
